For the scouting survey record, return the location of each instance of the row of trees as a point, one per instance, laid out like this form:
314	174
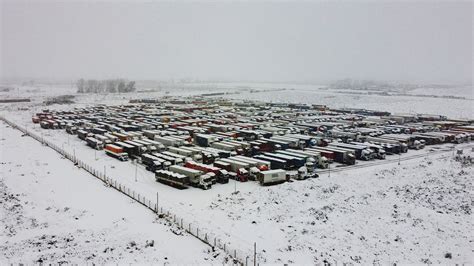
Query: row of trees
109	85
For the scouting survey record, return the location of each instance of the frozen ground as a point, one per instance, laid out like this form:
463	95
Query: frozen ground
53	212
346	218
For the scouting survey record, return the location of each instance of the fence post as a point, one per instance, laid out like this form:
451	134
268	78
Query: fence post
255	254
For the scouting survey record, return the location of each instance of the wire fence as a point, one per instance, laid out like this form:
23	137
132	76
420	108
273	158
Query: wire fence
235	255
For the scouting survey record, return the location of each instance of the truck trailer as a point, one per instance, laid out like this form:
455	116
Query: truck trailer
270	177
196	178
341	155
116	152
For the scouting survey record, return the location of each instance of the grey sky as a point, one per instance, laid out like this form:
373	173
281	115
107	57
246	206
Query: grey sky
410	41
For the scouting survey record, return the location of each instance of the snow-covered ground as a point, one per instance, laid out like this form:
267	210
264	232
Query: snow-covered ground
418	212
53	212
414	213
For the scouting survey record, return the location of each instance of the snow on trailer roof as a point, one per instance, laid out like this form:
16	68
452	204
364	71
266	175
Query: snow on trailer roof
282	156
172	154
270	158
123	144
185	169
347	145
133	143
252	159
233	161
294	154
305	152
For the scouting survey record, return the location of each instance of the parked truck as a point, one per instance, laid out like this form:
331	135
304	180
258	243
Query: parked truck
378	151
221	175
129	149
320	161
82	134
293	162
153	163
255	165
196	178
195	155
116	152
239	168
94	143
173	179
275	163
171	159
361	152
341	155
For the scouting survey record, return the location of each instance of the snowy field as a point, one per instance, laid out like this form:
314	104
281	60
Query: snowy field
53	212
314	94
418	212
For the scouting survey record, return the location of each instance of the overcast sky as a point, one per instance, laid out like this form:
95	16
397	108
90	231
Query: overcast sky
408	41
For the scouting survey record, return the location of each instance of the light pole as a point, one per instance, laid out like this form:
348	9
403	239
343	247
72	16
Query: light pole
136	168
157	201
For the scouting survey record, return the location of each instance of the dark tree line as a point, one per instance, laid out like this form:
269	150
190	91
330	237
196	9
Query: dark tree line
109	85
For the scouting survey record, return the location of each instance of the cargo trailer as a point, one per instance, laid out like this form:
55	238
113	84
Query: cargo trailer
270	177
378	151
341	155
221	175
173	179
94	143
196	178
82	134
361	152
139	148
132	151
171	159
293	162
397	148
116	152
240	168
275	163
320	160
153	163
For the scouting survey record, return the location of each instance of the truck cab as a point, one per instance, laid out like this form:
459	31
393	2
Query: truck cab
205	181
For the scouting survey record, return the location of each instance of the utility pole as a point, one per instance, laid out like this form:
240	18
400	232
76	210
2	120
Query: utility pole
329	169
157	201
105	172
136	167
399	158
